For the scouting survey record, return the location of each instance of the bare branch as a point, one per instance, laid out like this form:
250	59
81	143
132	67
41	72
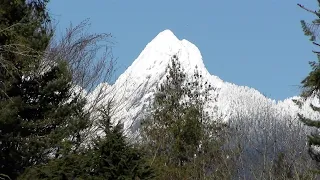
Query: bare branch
89	57
313	12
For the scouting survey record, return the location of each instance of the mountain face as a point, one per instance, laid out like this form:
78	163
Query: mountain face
133	90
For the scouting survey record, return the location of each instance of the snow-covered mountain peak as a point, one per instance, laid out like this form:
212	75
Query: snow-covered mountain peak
155	57
163	38
134	89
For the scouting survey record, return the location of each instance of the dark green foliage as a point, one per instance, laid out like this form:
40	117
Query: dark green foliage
39	116
43	123
110	157
24	35
181	139
312	81
114	158
67	167
36	119
311	84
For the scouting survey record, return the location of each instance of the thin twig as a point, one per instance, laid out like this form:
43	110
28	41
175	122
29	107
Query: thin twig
313	12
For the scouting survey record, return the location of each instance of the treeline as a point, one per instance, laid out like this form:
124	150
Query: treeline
48	125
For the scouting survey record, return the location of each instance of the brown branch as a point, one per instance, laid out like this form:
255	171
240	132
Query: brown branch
313	12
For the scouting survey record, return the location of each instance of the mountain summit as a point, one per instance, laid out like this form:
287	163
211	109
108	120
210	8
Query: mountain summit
133	90
155	57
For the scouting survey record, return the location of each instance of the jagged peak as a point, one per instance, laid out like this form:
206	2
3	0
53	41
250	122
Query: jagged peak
134	89
157	53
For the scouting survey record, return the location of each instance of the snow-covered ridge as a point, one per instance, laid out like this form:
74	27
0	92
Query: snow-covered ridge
133	89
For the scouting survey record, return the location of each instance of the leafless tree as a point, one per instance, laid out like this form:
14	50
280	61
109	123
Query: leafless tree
89	55
90	59
272	146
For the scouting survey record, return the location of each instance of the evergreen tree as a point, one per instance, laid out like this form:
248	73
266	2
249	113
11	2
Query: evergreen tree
109	157
182	140
40	118
311	84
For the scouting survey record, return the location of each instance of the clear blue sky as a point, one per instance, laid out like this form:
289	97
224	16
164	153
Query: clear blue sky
257	43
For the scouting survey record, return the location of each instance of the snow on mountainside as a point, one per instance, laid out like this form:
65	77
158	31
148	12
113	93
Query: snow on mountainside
133	90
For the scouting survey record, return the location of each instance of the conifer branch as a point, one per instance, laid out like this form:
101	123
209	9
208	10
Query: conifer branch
313	12
316	43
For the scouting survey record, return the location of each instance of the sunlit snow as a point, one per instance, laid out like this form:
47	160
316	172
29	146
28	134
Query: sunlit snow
133	90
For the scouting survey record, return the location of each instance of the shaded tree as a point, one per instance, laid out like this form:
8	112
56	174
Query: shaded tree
108	157
40	117
181	138
311	84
